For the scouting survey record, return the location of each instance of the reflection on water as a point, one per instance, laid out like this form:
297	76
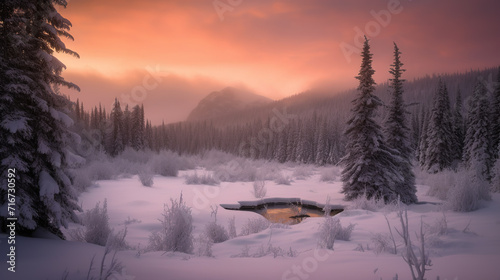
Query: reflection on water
290	214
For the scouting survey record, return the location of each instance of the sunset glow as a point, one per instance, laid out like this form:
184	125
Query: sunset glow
275	48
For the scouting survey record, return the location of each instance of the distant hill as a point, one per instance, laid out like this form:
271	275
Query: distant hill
306	127
226	102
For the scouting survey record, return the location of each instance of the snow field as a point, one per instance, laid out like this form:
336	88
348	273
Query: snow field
473	253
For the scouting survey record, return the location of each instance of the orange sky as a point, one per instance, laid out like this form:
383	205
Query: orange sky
275	48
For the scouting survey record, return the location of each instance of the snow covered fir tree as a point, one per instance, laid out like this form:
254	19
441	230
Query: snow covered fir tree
371	167
397	132
34	128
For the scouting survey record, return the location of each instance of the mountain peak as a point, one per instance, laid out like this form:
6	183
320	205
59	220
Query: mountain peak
226	101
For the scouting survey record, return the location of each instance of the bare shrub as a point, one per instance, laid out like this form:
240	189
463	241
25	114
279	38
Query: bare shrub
259	189
254	225
381	243
418	260
176	233
204	179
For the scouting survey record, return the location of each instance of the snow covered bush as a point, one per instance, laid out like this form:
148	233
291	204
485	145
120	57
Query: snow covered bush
204	179
495	181
327	232
96	226
361	202
236	170
259	189
204	246
302	172
254	225
440	183
281	179
467	193
216	233
329	174
132	155
166	164
267	170
146	177
332	229
101	170
176	232
231	228
81	179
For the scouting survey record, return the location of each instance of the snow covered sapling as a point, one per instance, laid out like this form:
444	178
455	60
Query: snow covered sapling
254	225
204	179
146	177
470	189
259	189
215	232
231	228
282	179
176	233
96	226
332	229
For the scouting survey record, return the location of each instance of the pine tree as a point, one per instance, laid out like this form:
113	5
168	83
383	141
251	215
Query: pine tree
439	153
321	149
495	119
476	148
127	129
370	167
397	131
458	127
422	144
34	130
115	143
137	128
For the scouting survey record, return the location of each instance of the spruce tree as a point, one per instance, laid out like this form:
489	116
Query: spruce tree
440	150
34	130
495	119
397	131
370	167
458	128
476	148
115	142
137	128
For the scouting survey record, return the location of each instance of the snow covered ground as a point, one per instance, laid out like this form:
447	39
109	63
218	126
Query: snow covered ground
473	253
